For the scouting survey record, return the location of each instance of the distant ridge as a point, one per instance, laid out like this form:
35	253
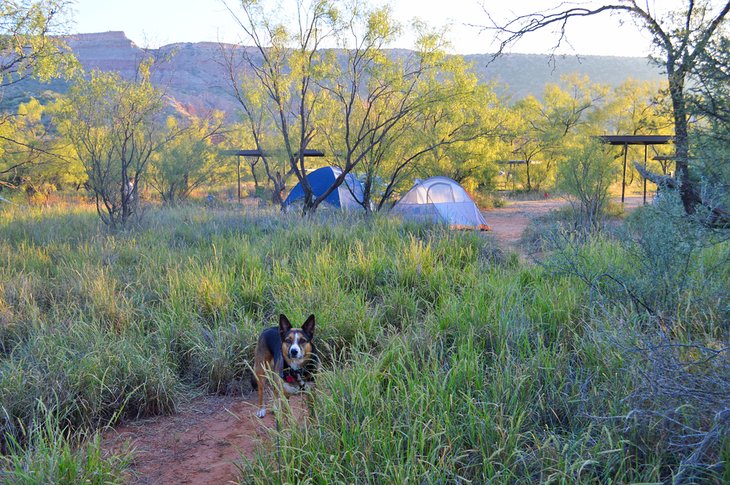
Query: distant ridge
196	81
527	74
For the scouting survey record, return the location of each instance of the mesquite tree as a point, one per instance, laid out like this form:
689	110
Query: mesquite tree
29	48
681	39
111	124
284	63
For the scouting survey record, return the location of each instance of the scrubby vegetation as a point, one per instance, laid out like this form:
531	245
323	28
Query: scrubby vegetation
445	360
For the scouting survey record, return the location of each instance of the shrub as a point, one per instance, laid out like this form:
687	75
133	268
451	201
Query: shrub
663	287
586	175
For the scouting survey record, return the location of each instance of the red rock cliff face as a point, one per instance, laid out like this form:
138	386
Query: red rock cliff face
195	81
107	51
192	75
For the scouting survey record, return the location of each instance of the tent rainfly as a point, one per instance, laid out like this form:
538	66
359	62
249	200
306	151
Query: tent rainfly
441	200
346	196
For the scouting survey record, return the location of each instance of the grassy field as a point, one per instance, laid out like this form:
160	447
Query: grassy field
448	361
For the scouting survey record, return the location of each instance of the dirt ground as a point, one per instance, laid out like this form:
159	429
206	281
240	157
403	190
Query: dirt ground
202	442
508	223
199	445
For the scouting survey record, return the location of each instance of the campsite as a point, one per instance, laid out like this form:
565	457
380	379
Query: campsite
348	243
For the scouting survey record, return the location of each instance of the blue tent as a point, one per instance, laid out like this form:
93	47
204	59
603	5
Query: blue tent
346	196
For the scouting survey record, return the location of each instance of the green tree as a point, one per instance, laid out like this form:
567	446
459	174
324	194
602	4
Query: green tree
682	38
639	108
28	45
528	145
388	111
543	131
258	129
189	160
464	132
710	106
586	175
286	61
28	48
36	159
113	127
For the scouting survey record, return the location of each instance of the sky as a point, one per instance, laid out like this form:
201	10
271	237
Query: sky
152	23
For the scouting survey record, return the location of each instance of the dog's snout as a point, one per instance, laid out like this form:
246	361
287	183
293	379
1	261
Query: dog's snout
293	352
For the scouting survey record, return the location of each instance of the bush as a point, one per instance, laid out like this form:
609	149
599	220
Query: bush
586	175
662	287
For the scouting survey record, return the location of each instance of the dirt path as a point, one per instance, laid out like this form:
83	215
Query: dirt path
199	445
508	223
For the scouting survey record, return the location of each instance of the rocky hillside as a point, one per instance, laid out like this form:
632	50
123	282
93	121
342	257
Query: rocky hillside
196	81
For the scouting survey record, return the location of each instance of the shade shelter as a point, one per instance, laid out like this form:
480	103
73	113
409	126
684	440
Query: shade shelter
348	196
511	170
260	153
440	200
625	141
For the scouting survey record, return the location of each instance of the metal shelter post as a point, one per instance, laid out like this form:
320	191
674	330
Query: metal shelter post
646	147
623	180
238	170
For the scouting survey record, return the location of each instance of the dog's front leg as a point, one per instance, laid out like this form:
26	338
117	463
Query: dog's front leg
260	372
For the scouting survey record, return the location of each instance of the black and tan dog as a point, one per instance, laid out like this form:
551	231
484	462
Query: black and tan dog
289	353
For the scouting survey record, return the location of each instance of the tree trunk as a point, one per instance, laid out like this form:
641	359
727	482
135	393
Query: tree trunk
278	189
253	174
687	192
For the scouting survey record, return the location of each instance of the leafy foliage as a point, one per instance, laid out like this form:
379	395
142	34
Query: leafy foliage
27	45
586	175
188	161
111	126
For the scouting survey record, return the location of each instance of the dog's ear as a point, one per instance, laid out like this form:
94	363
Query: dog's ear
308	326
284	325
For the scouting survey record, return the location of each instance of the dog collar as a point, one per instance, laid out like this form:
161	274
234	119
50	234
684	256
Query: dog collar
294	376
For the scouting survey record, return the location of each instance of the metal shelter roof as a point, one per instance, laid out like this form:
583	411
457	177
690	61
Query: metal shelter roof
637	139
625	141
259	153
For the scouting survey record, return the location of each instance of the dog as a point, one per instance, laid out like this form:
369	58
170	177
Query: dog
289	353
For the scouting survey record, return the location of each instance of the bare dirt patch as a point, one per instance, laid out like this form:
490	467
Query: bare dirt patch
508	223
199	445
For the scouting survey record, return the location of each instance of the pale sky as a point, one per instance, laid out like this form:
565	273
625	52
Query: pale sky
157	22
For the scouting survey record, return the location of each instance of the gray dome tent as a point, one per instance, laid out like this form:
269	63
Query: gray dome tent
441	200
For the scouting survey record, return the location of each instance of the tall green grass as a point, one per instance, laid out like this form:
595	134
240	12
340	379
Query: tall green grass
96	325
53	454
444	360
423	412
